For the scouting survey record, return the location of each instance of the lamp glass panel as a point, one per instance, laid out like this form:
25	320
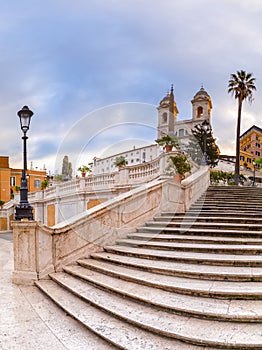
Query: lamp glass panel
25	121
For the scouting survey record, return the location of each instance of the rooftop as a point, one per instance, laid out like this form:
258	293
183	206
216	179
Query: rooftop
252	128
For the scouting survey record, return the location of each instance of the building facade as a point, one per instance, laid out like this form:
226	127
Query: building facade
250	146
134	156
10	179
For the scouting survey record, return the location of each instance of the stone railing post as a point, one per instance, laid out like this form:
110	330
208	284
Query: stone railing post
163	163
123	176
33	252
57	190
82	184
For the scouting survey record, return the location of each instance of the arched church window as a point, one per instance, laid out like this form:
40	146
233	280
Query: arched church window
181	132
164	117
199	112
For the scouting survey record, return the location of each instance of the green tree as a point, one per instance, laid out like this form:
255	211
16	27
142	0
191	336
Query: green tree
195	147
240	85
120	161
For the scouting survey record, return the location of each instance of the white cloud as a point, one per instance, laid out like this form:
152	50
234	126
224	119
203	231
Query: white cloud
70	60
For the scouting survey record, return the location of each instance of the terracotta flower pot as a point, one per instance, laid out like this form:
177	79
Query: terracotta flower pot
178	177
169	148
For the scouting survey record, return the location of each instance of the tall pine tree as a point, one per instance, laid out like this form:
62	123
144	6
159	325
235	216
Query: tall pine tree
195	147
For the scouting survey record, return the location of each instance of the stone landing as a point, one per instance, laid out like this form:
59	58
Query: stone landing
30	321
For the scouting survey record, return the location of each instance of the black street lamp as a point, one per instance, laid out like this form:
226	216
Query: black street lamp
24	210
204	126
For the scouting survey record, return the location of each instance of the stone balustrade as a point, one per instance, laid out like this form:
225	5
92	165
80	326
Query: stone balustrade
62	200
39	249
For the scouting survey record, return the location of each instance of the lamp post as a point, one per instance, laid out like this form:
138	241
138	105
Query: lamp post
24	210
205	128
254	174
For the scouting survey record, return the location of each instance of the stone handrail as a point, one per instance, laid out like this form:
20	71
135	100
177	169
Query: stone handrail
144	171
100	180
128	176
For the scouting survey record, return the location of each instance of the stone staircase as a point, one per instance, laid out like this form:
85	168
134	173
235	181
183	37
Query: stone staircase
183	281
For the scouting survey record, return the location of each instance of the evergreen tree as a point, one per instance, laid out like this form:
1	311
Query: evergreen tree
195	147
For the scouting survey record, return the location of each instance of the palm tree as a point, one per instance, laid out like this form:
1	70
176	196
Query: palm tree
241	86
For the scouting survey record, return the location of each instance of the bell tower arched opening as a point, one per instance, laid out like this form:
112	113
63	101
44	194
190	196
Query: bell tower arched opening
199	112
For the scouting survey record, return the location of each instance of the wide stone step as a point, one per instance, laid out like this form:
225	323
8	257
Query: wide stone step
208	288
193	238
189	257
200	231
209	248
159	322
213	213
233	200
230	208
226	206
231	195
233	189
117	332
221	225
68	333
219	309
185	218
212	272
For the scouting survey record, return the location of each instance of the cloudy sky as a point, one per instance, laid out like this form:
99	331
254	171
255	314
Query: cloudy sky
93	72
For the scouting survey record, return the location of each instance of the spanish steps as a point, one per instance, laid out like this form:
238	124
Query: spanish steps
182	281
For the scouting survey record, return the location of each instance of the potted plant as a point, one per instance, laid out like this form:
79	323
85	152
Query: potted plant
84	169
44	184
120	162
1	203
181	164
168	142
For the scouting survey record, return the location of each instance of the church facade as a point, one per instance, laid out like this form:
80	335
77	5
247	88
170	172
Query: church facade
168	112
167	124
